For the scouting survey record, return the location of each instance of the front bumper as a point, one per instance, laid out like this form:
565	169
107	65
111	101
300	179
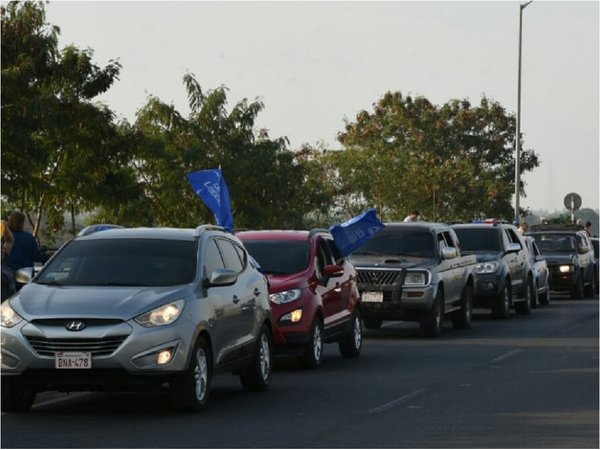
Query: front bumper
399	303
488	285
561	281
123	351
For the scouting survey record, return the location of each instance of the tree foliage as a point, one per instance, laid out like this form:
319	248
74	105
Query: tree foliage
62	153
450	162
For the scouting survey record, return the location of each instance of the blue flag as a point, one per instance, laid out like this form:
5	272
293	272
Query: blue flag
355	232
210	186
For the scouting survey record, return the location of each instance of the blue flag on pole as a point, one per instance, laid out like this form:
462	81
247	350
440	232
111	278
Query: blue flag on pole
350	235
210	186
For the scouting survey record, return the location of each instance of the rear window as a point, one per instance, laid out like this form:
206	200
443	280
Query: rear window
280	257
479	239
122	262
555	242
400	242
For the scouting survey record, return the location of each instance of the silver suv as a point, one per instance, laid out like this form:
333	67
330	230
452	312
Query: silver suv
125	309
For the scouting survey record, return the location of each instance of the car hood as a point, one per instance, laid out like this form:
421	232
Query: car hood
391	261
41	301
559	258
485	256
280	283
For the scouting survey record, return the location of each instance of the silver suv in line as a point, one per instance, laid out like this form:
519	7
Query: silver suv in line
139	308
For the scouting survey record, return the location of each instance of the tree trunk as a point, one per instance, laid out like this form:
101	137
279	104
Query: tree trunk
40	211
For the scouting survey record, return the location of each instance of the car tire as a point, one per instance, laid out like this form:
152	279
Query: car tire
577	289
461	319
432	321
544	297
501	304
351	344
190	390
373	324
534	295
257	376
589	290
313	356
16	398
524	307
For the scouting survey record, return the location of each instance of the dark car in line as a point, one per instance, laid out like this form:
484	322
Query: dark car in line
313	292
504	275
570	257
541	274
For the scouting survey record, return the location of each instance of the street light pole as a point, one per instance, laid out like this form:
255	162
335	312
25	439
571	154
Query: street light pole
518	136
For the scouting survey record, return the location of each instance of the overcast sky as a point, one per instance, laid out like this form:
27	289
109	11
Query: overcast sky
315	63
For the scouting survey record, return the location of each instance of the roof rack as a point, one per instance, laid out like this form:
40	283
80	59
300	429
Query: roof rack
203	228
97	227
556	227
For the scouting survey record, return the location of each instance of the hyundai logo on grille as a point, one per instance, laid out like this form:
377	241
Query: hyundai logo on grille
75	325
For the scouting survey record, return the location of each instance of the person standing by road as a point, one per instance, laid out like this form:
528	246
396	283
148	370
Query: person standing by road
588	228
412	217
523	228
8	279
25	251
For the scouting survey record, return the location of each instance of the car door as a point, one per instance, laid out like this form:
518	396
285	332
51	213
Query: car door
327	287
516	262
586	258
244	291
342	284
224	324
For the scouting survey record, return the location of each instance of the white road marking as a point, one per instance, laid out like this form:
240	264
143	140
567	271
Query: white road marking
393	403
506	356
60	399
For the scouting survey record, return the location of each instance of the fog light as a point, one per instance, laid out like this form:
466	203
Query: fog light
164	357
294	316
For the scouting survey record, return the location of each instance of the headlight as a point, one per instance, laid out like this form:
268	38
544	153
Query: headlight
566	268
9	317
419	278
165	315
487	267
285	297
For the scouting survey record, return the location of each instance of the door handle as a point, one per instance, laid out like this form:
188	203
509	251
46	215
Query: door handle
256	292
235	299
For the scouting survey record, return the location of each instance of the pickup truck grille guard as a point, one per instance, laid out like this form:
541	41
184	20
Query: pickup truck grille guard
380	279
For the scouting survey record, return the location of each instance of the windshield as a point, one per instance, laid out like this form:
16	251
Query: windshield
555	243
122	262
280	257
479	239
399	242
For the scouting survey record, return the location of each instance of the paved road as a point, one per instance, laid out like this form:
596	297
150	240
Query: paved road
531	381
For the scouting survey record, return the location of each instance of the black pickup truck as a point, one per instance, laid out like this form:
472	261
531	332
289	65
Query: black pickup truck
414	271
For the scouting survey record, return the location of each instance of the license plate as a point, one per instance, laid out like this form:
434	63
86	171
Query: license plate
73	360
372	297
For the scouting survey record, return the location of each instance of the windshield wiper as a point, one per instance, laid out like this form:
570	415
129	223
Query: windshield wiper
50	283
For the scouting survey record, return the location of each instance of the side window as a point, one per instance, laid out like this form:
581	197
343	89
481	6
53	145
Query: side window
334	252
230	255
242	254
505	239
212	258
441	242
536	250
512	236
324	256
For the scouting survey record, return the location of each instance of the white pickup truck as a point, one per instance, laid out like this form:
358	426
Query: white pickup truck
414	271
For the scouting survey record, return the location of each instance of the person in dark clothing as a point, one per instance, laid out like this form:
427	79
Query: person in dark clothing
25	251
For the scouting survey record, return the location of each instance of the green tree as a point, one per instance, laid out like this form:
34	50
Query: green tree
62	153
450	162
265	180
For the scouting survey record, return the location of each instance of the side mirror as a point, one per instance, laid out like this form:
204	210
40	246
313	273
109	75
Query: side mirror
513	248
449	253
540	258
222	277
24	275
333	270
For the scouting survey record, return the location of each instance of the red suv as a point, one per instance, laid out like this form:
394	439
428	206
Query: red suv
313	293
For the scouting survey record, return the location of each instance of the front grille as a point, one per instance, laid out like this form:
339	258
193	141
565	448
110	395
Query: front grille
88	322
380	277
97	347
